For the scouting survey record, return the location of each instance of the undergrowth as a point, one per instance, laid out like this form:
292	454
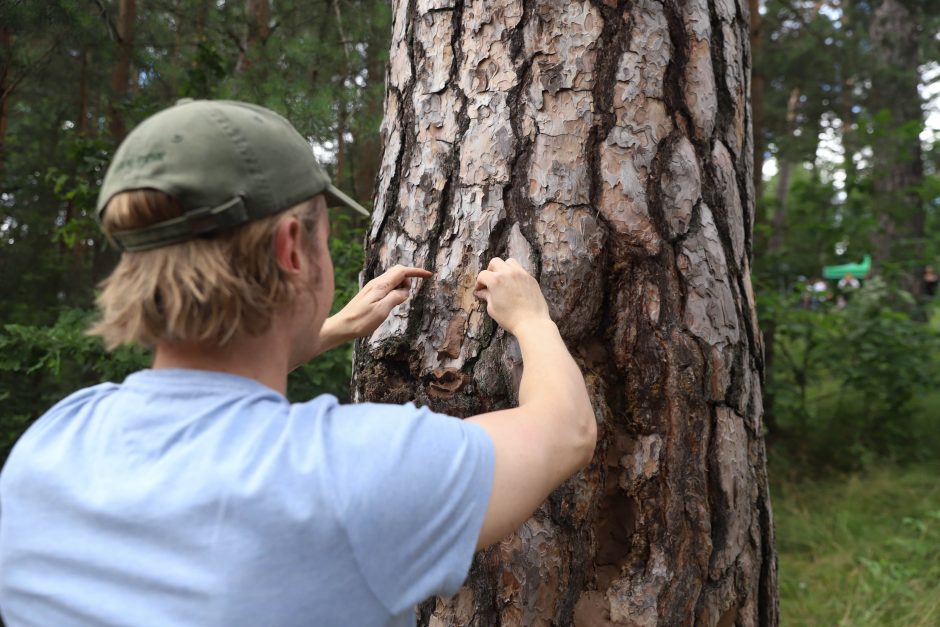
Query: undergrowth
860	550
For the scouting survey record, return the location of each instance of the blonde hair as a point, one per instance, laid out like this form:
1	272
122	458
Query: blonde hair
206	290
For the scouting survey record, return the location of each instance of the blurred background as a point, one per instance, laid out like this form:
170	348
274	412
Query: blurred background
846	109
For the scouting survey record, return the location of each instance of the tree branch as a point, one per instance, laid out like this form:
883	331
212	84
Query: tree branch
27	71
112	29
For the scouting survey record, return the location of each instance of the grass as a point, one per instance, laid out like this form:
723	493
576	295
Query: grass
862	550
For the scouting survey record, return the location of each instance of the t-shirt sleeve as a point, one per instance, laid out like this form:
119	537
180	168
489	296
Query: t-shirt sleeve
412	489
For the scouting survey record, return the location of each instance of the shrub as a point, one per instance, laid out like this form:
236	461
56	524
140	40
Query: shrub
846	383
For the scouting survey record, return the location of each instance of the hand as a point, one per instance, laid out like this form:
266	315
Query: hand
371	306
513	298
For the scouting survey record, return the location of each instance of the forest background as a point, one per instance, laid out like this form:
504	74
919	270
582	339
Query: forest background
846	101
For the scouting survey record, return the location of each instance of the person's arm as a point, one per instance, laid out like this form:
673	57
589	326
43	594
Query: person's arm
552	433
370	307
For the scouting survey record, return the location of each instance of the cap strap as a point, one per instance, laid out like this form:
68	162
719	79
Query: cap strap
189	226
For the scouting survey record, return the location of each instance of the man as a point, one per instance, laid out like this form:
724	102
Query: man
931	280
194	493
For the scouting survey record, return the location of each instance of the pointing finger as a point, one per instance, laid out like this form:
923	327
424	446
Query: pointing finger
394	298
395	276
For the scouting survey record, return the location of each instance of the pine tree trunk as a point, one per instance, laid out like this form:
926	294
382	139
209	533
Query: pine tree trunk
757	100
897	160
120	73
366	147
257	31
83	93
342	115
6	88
608	148
785	164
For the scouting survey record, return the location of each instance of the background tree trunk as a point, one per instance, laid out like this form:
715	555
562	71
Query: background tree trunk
257	31
83	93
367	149
785	164
345	74
120	74
606	146
757	98
897	160
6	88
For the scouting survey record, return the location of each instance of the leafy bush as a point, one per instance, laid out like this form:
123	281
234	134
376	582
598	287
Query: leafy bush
41	365
844	382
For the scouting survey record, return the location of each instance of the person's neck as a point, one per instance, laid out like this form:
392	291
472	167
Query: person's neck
264	358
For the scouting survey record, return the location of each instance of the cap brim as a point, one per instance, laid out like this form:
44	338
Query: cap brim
337	198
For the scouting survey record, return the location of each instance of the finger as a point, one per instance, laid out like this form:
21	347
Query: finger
483	295
516	265
408	272
419	273
394	299
485	279
404	284
396	275
496	264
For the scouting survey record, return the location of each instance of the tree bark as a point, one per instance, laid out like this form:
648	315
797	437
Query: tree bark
607	147
120	74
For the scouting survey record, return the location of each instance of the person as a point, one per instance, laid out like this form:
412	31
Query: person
820	292
849	283
194	493
847	286
931	280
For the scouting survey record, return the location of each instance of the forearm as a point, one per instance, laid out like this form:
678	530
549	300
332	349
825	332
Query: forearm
369	308
552	381
332	334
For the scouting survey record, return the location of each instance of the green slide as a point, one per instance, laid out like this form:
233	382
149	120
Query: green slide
858	270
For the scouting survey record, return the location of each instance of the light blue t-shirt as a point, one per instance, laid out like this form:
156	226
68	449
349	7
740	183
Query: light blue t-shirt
185	497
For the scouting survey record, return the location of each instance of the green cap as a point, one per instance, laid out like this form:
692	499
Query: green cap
225	162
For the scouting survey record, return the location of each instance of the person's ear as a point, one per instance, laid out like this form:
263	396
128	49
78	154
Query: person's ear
287	244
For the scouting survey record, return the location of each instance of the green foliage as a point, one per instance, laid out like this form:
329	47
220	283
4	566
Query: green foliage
860	551
57	70
40	365
76	189
815	226
845	381
319	64
840	109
